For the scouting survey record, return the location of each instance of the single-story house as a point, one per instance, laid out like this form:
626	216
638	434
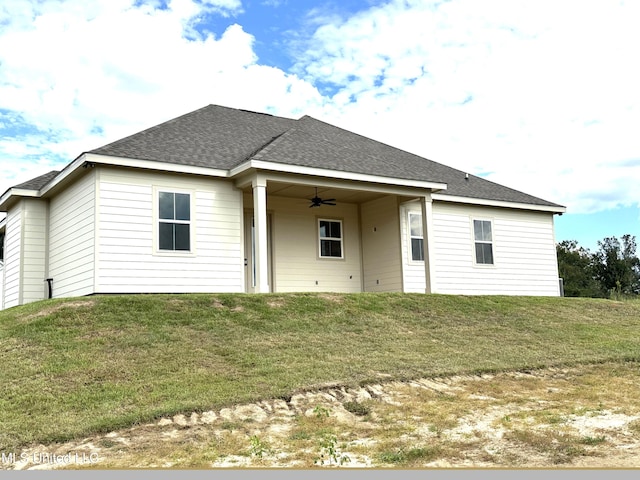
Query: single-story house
228	200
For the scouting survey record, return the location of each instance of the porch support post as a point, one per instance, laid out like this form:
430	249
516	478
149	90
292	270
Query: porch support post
259	185
427	244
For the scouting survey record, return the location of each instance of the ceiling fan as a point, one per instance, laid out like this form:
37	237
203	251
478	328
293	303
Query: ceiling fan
317	201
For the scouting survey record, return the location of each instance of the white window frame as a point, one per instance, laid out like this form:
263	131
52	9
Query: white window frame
490	242
341	239
157	220
411	237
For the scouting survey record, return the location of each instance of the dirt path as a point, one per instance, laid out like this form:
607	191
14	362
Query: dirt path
558	418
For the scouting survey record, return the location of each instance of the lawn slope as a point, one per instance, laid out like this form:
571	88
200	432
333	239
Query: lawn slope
78	366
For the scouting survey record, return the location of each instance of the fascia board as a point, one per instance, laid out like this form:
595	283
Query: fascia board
16	192
345	184
153	165
334	174
498	203
130	162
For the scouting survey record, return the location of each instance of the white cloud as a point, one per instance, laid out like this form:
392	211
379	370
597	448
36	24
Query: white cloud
541	96
273	3
85	73
544	94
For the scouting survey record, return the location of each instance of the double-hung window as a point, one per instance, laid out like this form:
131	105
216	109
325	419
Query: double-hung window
483	240
416	236
330	237
174	227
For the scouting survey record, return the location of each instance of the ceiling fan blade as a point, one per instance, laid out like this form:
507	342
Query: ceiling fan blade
317	201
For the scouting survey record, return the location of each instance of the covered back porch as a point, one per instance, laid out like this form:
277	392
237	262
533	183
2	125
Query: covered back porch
352	243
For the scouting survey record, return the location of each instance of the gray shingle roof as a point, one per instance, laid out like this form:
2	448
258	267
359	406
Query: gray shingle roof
313	143
38	182
223	138
213	136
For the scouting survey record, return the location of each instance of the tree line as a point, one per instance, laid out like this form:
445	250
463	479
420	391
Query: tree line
611	271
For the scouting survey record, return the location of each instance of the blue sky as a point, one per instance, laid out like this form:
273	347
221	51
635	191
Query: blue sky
539	96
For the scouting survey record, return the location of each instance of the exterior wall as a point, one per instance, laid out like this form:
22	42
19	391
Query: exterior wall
2	271
297	266
381	259
1	285
128	260
525	260
71	238
12	256
412	272
34	248
25	253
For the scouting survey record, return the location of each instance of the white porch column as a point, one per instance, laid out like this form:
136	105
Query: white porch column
259	185
427	243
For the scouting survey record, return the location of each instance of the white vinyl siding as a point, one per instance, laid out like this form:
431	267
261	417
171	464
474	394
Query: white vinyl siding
25	253
2	270
71	238
12	256
297	266
381	246
128	261
1	286
34	247
524	252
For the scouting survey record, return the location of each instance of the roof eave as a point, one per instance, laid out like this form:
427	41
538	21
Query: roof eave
13	194
86	160
334	174
98	158
499	203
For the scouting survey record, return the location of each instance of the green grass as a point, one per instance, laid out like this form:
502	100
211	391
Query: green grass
79	366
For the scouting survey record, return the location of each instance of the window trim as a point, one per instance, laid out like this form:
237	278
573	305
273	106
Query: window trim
157	220
319	244
411	237
474	242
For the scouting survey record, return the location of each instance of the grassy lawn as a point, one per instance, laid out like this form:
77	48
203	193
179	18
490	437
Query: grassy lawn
80	366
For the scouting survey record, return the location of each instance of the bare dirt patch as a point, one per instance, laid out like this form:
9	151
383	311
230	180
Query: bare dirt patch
331	298
62	306
557	418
